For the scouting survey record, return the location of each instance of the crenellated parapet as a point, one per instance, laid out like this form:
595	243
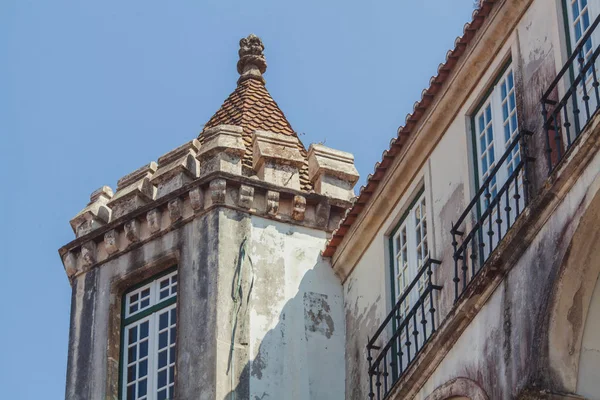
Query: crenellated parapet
222	150
176	168
95	214
133	191
332	172
277	158
182	205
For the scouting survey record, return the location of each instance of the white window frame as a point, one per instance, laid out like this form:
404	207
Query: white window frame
495	125
408	254
580	17
159	307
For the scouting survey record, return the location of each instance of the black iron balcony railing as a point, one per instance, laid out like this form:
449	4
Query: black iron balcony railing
564	119
491	212
409	332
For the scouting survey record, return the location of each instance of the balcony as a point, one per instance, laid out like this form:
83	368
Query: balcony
408	332
567	117
491	212
486	221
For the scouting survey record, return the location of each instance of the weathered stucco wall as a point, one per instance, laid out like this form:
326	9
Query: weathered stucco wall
290	331
255	282
588	380
498	348
92	371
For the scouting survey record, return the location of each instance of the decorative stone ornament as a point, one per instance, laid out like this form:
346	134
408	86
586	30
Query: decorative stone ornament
132	230
153	219
272	203
175	207
222	150
197	199
88	253
299	208
96	214
277	159
322	212
70	263
246	196
133	191
252	63
176	168
332	172
111	241
218	189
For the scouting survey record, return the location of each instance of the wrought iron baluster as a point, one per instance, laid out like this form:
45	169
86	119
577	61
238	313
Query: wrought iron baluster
517	196
498	217
526	160
378	383
423	318
595	85
490	231
407	344
507	208
370	361
582	73
567	124
464	267
431	308
400	354
415	331
455	256
547	136
385	374
473	256
557	137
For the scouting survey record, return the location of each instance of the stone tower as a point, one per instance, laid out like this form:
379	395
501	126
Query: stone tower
201	277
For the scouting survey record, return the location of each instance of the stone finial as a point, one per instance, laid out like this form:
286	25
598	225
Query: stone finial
252	63
222	150
176	168
95	214
133	191
332	172
277	158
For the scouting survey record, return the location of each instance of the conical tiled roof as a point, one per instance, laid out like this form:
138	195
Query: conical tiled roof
251	107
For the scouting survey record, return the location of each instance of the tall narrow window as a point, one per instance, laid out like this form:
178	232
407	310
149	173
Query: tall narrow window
495	128
581	15
148	340
410	249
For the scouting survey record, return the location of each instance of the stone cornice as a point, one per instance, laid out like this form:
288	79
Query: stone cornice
218	189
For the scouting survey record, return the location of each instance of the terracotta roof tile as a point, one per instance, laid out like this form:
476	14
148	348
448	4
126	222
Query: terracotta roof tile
252	107
405	132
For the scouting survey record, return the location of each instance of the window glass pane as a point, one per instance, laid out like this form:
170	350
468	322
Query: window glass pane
149	357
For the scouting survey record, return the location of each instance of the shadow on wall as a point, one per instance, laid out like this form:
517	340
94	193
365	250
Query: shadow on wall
284	347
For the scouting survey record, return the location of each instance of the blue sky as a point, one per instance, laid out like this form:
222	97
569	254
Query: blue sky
91	90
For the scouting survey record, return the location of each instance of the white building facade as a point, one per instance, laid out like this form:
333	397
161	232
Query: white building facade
469	260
